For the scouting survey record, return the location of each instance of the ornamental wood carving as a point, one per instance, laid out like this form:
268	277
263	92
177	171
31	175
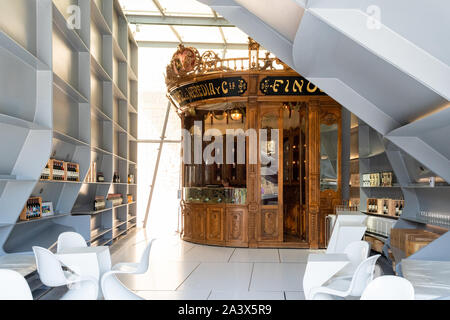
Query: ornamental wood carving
187	222
268	224
215	223
198	232
237	228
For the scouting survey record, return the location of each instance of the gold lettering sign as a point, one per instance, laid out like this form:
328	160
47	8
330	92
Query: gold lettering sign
209	89
288	86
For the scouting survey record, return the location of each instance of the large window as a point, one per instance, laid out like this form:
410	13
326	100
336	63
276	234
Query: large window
163	216
164	210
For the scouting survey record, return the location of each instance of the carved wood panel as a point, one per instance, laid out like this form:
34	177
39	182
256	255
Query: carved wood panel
215	223
236	226
268	222
198	231
187	222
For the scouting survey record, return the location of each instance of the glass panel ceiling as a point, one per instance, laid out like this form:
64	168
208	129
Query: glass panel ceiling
139	5
170	7
235	35
185	7
155	33
163	33
199	34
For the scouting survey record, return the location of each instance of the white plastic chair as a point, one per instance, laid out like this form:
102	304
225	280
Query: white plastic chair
349	286
70	240
13	286
136	268
52	275
389	288
113	289
357	252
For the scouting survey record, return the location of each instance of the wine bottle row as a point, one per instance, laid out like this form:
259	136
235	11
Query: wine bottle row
380	179
390	207
57	170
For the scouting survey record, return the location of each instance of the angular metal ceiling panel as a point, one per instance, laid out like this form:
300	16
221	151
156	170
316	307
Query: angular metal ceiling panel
388	78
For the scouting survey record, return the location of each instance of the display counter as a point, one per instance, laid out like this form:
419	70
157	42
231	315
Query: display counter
222	224
215	216
215	195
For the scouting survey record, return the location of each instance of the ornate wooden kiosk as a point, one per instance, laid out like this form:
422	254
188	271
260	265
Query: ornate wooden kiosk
278	191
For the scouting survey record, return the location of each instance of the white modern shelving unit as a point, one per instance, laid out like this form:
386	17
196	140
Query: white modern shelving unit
68	94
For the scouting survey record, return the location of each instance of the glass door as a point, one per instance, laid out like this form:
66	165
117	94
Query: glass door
270	220
294	173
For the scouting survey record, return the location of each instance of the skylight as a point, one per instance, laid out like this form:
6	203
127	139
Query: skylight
161	23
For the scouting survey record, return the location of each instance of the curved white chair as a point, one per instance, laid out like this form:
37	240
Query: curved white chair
13	286
348	286
70	240
113	289
136	268
52	275
389	288
357	252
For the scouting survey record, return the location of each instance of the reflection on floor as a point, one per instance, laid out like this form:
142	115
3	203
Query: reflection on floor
186	271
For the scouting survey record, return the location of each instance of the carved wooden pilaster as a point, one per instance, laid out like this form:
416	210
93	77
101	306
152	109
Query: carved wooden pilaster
252	175
313	163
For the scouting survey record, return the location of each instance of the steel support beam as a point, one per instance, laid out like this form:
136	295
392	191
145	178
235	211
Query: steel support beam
158	141
198	45
178	20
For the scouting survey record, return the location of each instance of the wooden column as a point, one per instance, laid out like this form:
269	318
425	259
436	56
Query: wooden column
252	176
313	162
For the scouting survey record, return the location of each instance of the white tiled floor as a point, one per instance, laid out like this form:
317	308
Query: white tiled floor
278	277
220	276
186	271
290	255
255	255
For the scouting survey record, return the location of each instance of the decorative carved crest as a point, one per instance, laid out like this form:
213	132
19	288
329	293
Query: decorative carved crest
209	61
184	61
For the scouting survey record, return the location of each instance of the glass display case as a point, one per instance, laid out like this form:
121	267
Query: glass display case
215	195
